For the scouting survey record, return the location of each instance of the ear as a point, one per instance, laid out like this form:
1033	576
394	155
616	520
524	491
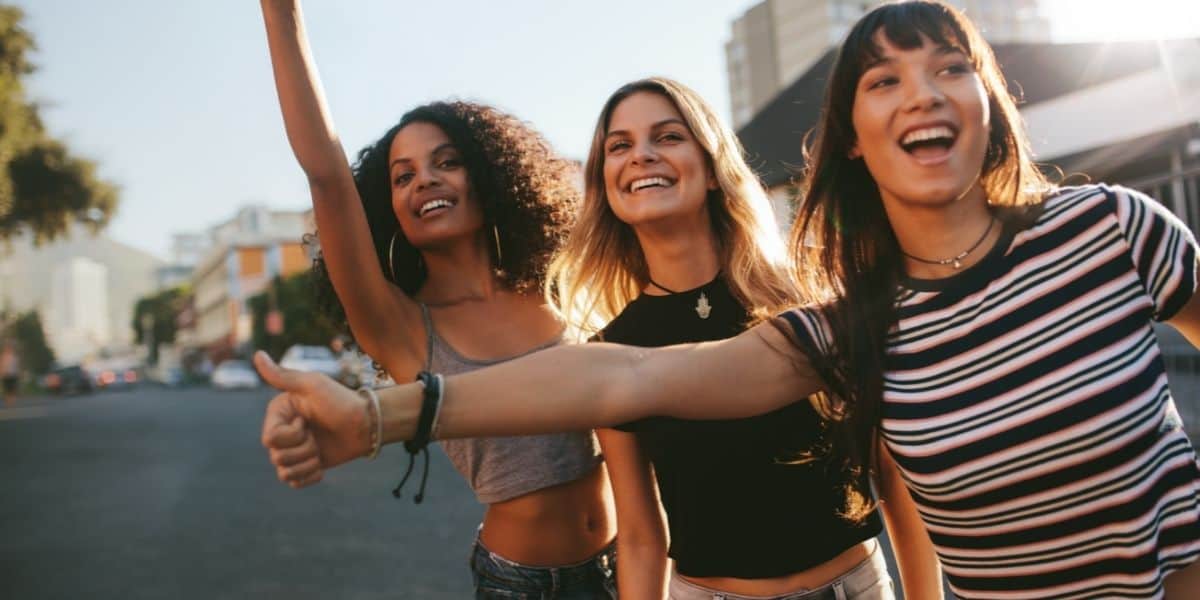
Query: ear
855	153
711	181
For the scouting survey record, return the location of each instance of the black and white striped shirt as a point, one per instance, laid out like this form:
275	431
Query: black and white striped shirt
1026	404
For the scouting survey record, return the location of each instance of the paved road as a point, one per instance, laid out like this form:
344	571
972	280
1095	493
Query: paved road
156	493
167	494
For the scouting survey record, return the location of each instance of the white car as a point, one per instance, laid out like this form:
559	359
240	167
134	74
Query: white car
234	374
319	359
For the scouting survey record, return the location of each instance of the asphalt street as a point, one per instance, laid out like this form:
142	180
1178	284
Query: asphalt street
158	493
165	493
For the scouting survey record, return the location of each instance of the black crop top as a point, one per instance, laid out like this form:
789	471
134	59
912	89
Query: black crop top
735	508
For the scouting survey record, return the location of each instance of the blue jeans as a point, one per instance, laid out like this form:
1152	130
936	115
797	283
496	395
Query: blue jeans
497	577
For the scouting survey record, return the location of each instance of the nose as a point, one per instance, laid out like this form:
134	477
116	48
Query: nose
425	179
643	153
923	94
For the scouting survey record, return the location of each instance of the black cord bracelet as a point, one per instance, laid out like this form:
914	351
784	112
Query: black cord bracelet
431	396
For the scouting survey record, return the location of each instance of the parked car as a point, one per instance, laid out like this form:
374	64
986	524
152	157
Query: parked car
115	377
235	374
319	359
70	379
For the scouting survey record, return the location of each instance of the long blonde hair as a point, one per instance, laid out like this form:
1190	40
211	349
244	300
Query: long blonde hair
601	268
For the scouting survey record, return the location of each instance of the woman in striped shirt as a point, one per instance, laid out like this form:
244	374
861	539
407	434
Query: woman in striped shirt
987	337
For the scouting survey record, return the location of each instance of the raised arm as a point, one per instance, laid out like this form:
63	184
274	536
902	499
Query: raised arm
385	321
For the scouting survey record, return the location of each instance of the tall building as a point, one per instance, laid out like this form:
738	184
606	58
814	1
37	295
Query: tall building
78	323
27	280
244	254
777	41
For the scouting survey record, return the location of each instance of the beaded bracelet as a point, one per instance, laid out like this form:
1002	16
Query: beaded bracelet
375	420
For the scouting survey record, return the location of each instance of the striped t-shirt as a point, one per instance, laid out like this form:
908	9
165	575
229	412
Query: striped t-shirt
1026	405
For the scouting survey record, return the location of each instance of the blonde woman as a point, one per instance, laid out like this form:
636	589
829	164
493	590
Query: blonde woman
677	243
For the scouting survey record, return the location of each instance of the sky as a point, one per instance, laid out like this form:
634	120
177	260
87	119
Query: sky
175	101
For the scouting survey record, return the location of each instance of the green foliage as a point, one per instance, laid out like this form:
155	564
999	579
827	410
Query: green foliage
303	323
160	310
43	187
26	328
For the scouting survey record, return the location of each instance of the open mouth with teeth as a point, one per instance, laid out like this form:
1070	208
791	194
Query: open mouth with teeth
434	206
929	143
650	182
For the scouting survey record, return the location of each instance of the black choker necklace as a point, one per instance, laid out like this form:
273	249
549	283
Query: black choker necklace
703	308
954	261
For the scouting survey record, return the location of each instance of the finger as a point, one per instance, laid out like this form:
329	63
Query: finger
286	457
315	477
298	472
287	435
280	413
277	376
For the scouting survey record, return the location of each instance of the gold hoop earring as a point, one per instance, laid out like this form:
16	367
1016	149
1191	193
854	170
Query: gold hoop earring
496	236
391	255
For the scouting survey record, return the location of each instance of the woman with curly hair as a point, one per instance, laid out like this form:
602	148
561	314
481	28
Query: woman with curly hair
436	243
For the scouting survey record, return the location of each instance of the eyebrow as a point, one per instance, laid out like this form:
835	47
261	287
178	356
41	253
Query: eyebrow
670	121
402	159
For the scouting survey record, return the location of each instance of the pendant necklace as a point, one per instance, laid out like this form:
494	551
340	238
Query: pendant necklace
954	261
702	308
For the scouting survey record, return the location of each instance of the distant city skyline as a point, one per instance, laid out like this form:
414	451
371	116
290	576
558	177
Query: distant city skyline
176	104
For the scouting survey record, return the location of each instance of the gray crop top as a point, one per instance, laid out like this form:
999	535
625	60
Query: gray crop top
502	468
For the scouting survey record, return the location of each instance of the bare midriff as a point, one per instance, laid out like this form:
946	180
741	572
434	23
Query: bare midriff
820	575
555	526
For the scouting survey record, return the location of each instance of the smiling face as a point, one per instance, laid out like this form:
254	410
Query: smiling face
921	121
431	191
654	168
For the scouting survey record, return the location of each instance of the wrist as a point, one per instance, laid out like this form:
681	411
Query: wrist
400	406
372	426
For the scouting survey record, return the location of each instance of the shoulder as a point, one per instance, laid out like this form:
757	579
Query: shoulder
631	319
1064	201
808	326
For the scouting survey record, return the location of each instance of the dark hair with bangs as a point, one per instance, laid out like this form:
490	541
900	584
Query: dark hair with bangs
526	190
845	254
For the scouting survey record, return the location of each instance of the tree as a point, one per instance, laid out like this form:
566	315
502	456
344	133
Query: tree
26	328
154	319
43	187
303	323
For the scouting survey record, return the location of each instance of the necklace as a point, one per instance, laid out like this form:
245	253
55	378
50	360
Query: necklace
955	261
703	308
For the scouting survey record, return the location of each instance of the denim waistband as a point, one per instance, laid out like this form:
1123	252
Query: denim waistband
602	565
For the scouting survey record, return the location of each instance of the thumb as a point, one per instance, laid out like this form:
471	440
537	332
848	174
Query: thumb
278	377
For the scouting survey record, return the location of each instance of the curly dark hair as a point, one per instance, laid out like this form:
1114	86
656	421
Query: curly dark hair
527	191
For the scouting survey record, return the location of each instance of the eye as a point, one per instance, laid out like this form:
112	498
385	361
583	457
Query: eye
402	179
883	81
617	146
670	136
958	68
450	163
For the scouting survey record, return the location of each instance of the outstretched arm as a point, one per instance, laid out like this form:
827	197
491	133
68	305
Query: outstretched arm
383	318
568	388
